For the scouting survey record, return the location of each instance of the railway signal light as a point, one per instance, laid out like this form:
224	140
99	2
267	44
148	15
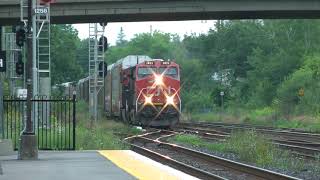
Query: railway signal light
103	42
20	37
103	68
20	65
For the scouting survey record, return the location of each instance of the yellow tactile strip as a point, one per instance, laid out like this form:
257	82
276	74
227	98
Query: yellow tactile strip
140	167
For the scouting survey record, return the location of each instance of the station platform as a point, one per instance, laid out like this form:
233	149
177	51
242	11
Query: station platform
87	165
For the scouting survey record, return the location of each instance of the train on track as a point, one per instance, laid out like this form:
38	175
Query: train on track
139	90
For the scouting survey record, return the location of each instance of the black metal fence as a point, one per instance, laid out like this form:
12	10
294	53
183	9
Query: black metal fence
54	121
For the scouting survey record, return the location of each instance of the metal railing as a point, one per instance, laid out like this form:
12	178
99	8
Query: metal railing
54	121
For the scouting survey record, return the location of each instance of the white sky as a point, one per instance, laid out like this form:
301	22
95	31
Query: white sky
132	28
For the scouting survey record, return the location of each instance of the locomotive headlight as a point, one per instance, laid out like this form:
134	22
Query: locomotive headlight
158	80
170	100
148	100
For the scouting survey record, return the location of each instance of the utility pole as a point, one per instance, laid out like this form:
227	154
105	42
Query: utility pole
28	143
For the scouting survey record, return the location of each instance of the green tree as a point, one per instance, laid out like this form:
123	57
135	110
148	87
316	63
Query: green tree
305	79
156	45
83	57
121	38
64	45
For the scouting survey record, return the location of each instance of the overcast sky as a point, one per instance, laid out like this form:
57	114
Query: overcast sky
132	28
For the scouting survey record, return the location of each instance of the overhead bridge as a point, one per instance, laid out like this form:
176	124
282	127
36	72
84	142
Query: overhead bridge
84	11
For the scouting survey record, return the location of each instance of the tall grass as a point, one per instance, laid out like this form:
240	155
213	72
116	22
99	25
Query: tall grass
250	147
103	134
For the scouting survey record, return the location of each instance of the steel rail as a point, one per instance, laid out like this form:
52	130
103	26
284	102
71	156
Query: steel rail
206	124
228	164
229	127
304	151
175	164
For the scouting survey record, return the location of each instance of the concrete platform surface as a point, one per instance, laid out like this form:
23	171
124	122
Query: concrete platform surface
77	165
142	167
6	147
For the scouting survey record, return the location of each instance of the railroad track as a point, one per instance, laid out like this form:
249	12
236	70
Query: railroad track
304	148
289	134
193	162
216	124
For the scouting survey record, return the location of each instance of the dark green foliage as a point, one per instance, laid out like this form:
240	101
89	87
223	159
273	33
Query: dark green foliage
121	38
306	79
64	54
83	57
255	62
156	45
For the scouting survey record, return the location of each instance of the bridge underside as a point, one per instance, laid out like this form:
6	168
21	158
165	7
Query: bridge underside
85	11
185	16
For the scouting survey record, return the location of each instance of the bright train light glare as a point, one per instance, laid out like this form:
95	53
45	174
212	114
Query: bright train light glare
148	100
158	80
170	100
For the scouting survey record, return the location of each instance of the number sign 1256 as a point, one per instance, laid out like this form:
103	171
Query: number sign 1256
41	11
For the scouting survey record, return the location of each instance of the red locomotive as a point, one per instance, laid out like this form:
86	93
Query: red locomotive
143	91
140	90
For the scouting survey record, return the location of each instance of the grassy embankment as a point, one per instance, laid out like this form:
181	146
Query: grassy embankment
265	117
105	134
250	147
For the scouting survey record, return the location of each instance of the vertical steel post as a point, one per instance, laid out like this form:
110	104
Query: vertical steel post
28	148
29	129
96	74
1	88
74	120
1	110
96	57
35	79
222	105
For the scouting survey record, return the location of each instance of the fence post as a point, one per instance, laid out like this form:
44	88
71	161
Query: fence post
74	119
1	110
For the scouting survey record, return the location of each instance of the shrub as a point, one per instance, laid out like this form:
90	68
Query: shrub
306	80
251	147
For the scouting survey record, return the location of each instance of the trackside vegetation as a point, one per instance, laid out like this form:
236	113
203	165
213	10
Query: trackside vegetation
265	117
250	147
104	134
268	69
